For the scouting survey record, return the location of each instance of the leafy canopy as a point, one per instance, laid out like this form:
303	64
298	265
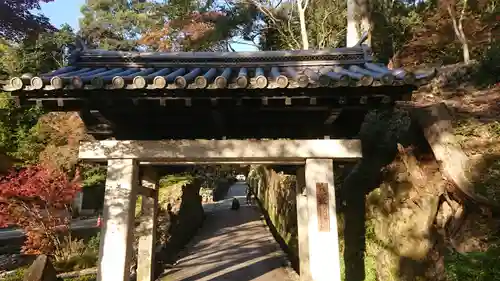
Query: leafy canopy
17	21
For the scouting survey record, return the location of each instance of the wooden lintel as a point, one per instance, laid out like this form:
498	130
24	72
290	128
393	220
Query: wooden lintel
182	151
332	117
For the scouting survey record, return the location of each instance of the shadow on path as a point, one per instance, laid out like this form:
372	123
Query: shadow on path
232	245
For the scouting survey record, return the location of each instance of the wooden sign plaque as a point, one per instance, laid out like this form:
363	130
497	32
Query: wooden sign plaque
322	198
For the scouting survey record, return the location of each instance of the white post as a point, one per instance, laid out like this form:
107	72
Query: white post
302	226
324	254
78	203
147	240
117	233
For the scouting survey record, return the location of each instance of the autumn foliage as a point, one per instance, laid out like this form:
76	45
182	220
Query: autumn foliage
193	31
37	199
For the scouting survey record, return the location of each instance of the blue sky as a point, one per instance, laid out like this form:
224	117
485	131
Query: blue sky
68	11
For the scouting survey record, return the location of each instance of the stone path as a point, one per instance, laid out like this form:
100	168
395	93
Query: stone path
232	245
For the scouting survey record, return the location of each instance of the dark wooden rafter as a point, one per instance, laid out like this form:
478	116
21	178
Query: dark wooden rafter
264	103
97	123
334	114
220	123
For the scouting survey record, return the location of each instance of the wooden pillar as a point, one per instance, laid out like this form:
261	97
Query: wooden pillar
302	225
147	232
324	257
117	233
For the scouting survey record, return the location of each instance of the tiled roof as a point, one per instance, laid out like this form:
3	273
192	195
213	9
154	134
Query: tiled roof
98	69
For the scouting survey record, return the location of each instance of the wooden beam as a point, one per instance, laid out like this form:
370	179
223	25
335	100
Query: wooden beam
219	122
225	162
181	151
334	114
148	192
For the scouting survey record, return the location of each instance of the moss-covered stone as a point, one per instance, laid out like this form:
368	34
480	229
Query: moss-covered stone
180	215
277	193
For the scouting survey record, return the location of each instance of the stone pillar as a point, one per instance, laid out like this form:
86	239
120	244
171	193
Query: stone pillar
78	203
118	220
302	225
324	257
147	230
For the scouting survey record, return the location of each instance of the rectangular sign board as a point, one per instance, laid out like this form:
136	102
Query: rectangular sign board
322	198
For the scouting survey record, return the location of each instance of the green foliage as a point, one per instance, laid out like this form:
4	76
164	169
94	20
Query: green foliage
165	25
18	131
116	25
93	243
170	180
18	275
43	53
77	255
91	277
489	69
74	263
370	254
138	206
93	175
21	18
394	25
474	266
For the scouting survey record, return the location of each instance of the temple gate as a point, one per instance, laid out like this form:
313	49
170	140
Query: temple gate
269	107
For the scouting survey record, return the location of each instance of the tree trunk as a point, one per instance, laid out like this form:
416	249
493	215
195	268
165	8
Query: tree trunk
366	26
301	8
352	24
459	29
358	21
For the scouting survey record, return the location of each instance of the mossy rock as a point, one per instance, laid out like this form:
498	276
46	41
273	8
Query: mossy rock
479	140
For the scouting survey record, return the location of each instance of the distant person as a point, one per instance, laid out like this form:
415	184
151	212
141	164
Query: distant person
249	195
235	205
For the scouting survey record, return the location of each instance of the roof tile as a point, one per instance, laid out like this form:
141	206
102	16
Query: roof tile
97	69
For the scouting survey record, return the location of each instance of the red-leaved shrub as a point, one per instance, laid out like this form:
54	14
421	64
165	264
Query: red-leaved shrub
38	199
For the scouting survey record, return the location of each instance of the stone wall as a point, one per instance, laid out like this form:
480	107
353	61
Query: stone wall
180	216
276	194
221	187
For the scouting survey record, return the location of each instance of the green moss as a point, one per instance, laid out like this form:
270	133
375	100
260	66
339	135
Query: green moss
167	182
165	185
170	180
488	183
474	266
86	260
480	138
91	277
370	255
138	206
474	128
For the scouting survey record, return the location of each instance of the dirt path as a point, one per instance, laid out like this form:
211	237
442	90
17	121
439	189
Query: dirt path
232	245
